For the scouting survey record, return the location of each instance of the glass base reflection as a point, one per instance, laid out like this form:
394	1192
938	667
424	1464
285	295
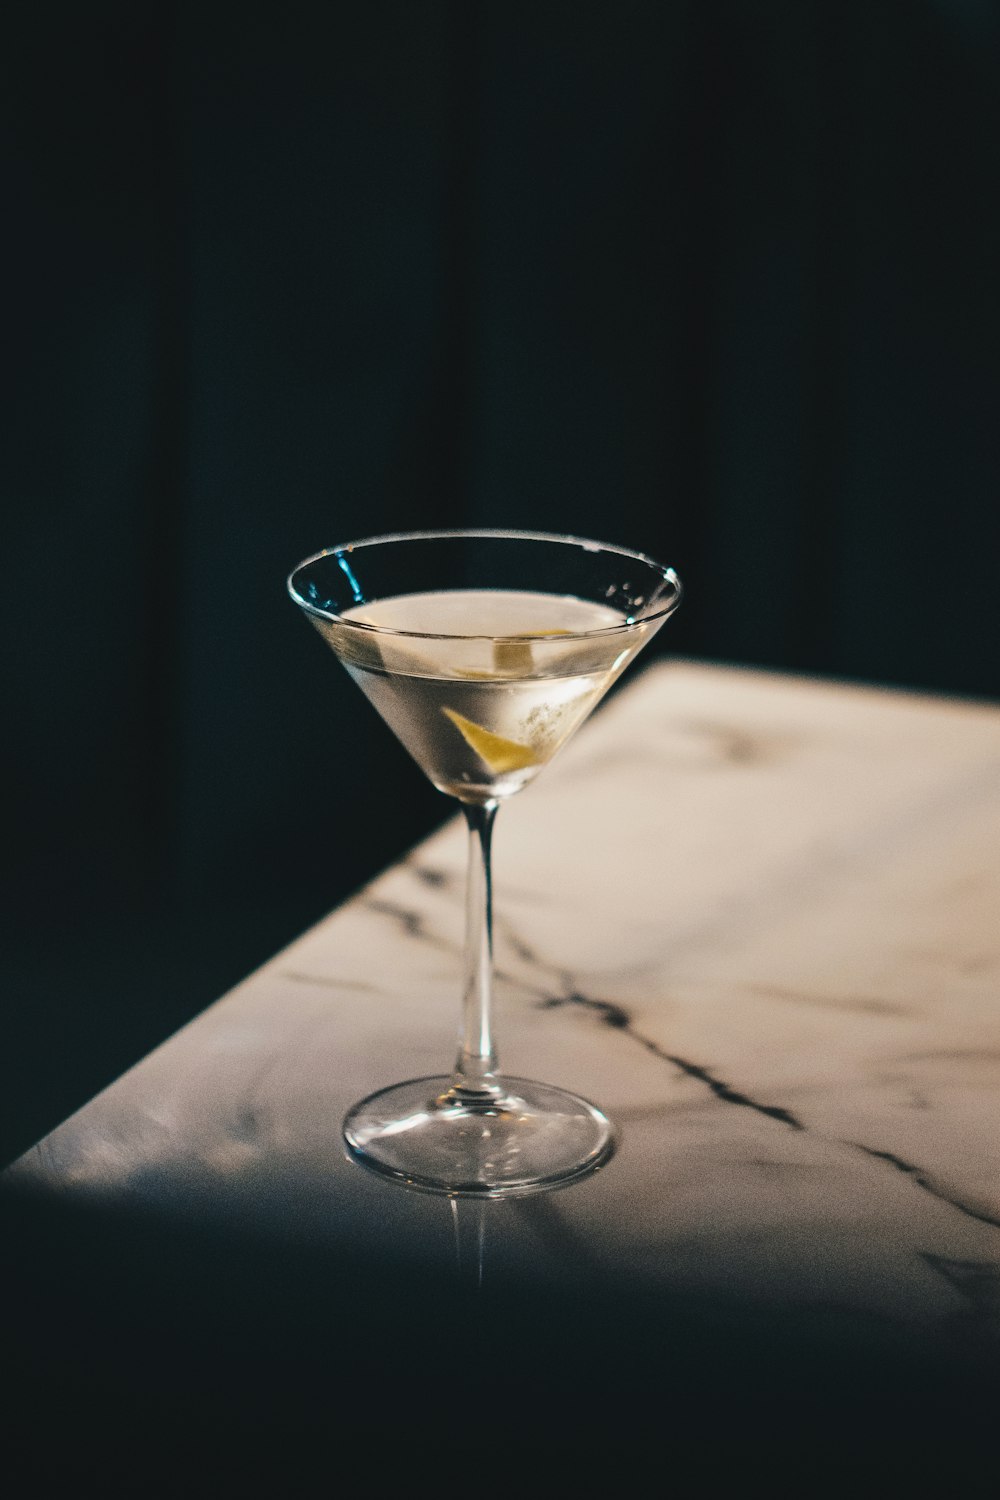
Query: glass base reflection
523	1139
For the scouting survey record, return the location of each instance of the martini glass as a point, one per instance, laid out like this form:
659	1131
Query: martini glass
483	651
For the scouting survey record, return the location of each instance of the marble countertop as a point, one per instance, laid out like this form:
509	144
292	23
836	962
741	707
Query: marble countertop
754	918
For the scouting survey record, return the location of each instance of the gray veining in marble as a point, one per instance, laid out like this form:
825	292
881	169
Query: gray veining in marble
754	918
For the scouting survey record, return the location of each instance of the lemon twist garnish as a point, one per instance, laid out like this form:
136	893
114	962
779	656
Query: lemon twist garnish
514	658
499	754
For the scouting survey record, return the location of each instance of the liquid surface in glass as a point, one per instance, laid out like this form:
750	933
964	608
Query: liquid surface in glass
479	712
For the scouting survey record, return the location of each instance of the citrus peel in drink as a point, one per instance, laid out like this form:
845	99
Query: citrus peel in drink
513	658
500	755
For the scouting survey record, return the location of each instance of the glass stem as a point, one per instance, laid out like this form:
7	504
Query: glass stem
476	1066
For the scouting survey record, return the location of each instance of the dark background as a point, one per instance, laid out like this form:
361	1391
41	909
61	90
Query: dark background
714	280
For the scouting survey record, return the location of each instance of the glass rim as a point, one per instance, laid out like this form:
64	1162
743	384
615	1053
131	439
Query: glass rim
488	533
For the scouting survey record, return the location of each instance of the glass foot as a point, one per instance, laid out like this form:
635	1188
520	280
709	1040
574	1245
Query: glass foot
429	1136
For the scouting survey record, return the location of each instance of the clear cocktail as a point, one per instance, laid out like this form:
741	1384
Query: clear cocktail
483	681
